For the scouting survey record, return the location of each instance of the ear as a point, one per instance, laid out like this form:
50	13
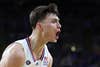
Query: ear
39	26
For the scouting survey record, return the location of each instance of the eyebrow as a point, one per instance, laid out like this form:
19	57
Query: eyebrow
56	19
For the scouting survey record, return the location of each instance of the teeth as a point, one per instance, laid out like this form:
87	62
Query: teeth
57	35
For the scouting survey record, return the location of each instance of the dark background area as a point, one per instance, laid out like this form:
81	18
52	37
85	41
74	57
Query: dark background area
79	43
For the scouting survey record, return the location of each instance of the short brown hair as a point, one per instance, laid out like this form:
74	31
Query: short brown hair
40	12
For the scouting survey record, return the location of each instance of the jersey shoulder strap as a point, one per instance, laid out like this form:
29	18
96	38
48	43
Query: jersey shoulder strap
28	55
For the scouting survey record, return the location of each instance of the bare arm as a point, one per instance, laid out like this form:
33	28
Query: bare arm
50	62
13	58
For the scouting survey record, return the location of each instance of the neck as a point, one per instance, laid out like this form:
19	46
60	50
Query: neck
37	43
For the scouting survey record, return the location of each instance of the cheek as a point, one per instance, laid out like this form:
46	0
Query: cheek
49	29
51	26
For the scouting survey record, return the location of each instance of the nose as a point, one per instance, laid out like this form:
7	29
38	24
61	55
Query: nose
58	25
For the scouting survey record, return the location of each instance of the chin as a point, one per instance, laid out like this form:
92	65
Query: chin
54	41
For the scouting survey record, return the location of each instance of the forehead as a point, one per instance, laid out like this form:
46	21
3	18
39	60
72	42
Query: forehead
52	17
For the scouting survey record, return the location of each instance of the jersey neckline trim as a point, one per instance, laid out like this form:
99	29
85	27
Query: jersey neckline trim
29	46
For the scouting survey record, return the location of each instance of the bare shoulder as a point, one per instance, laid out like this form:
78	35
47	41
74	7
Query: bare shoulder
49	54
13	56
50	58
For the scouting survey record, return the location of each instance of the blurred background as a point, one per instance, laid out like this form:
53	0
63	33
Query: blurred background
79	43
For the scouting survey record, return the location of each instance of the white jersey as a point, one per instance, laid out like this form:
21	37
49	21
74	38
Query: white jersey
29	58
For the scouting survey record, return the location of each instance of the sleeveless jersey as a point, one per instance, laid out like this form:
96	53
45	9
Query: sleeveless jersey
29	58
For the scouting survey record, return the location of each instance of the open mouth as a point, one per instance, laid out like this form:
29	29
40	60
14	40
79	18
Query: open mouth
57	34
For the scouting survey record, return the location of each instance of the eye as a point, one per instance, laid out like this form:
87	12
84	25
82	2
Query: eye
54	22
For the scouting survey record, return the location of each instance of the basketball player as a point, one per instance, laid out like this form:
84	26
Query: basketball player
32	51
